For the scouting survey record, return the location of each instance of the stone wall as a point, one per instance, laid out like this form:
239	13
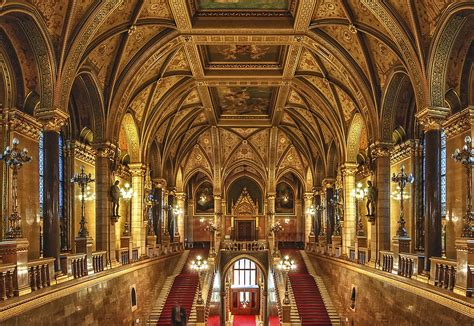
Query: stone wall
103	300
380	300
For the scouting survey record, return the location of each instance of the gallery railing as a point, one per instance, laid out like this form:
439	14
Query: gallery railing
230	245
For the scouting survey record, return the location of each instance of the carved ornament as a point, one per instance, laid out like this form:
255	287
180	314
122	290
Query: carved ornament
432	118
81	151
349	169
137	169
380	149
52	119
21	123
404	150
459	122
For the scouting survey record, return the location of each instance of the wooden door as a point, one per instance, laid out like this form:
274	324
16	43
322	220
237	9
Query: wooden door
245	231
245	301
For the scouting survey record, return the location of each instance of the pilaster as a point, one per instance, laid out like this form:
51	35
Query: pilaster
348	171
309	223
181	202
138	228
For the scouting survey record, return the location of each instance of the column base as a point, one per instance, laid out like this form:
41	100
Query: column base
15	251
84	246
400	245
464	259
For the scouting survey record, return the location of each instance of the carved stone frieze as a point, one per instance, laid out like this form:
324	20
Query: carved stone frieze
432	118
21	123
380	149
81	151
459	122
106	150
404	150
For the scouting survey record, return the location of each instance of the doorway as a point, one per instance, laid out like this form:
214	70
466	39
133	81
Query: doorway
245	231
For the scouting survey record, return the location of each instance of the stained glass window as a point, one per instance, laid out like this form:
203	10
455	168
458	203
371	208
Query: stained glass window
443	173
41	171
245	272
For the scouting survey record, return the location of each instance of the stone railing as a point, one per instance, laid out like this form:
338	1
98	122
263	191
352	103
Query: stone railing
386	260
40	273
135	254
73	265
352	253
443	273
123	256
7	274
260	245
410	265
99	261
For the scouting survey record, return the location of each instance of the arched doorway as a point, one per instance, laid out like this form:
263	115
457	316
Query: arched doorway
244	292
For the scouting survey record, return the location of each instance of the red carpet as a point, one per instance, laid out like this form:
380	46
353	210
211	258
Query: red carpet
244	320
183	290
307	296
213	321
274	321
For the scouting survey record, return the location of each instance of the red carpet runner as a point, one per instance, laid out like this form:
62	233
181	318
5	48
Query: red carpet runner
244	320
308	299
183	290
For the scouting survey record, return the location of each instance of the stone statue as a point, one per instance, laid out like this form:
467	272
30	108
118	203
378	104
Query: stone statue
115	195
371	198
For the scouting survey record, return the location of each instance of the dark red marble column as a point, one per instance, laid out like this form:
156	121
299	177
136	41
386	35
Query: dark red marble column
51	241
432	195
330	213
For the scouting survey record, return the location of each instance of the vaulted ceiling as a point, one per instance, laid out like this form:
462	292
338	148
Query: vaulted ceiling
272	84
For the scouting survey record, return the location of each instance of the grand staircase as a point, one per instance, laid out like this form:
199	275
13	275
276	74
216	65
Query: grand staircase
179	288
312	308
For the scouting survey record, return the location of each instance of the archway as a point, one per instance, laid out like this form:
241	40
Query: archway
244	291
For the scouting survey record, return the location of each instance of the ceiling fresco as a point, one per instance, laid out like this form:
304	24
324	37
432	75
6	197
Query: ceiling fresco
242	54
236	101
242	4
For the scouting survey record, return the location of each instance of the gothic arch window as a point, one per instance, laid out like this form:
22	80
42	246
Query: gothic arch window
245	273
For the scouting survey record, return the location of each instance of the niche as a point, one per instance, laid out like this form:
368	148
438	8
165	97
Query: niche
133	297
353	298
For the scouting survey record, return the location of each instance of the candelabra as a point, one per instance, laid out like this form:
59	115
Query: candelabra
126	193
199	265
82	179
359	194
14	159
466	158
402	179
335	202
286	265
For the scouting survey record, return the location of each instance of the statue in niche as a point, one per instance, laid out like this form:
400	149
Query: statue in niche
371	195
115	195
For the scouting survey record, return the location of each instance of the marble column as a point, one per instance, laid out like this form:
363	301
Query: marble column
105	229
380	237
309	222
181	202
53	121
431	120
348	230
138	229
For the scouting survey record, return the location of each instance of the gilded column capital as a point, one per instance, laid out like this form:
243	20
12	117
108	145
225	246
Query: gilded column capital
404	150
380	149
459	122
137	169
349	168
52	119
105	150
328	182
160	183
308	195
81	151
432	118
180	196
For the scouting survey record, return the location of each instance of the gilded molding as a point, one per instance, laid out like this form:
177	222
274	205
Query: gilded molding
137	169
106	150
349	169
380	149
432	118
404	150
52	119
459	122
81	151
21	123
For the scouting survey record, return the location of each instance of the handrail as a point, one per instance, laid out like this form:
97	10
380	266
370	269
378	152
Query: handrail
98	261
386	260
443	272
410	265
7	273
40	273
